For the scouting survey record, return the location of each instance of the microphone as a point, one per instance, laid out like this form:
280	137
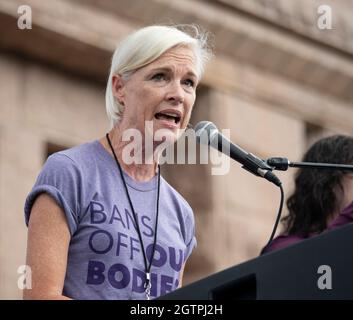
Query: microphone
207	133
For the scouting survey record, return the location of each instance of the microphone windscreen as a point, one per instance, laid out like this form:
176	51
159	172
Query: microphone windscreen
203	131
205	125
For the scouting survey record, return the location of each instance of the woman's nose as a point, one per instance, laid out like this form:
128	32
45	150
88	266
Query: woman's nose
175	93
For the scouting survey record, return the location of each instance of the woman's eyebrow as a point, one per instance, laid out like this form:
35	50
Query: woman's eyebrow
192	74
165	69
168	69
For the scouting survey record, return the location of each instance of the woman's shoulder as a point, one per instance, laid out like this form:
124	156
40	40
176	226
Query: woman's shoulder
76	158
62	177
281	242
69	164
344	217
76	154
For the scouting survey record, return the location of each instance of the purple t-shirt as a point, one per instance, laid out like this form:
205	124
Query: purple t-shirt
105	260
346	216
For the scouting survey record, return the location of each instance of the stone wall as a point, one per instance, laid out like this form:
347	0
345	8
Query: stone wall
39	105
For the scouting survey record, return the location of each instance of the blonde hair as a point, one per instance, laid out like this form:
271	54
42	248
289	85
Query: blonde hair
146	45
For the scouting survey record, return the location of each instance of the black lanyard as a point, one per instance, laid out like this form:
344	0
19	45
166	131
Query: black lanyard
147	267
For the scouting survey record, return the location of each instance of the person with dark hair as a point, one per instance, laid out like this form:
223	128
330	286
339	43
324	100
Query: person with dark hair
322	199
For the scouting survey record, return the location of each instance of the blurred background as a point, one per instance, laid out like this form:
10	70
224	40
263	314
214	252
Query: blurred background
277	81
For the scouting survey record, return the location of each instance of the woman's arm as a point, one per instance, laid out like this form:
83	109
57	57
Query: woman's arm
47	249
181	276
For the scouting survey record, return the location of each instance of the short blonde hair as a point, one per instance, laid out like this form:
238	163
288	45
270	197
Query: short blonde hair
146	45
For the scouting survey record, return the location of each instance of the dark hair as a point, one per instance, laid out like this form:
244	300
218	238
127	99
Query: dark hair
316	196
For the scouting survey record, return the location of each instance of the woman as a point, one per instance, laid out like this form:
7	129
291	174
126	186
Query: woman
322	199
102	223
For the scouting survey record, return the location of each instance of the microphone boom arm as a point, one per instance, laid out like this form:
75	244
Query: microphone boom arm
283	164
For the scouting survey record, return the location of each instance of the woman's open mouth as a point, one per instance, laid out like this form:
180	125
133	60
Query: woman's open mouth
172	117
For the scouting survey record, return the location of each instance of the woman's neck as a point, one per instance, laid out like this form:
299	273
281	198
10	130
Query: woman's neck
139	172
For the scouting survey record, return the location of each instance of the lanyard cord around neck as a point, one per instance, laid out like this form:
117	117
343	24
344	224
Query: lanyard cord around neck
147	266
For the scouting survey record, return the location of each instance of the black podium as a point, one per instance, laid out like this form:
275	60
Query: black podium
290	273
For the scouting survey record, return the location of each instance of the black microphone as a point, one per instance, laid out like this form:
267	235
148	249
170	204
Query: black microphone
207	133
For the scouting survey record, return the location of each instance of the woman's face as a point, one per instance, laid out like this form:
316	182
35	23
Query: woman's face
162	92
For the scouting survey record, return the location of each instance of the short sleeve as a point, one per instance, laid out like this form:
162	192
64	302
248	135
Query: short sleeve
60	178
191	242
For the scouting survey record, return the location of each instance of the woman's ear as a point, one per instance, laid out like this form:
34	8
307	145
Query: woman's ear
118	88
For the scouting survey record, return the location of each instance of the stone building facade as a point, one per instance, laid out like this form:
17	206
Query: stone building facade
277	81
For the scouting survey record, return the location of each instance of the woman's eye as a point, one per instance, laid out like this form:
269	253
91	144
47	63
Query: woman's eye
189	83
159	76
